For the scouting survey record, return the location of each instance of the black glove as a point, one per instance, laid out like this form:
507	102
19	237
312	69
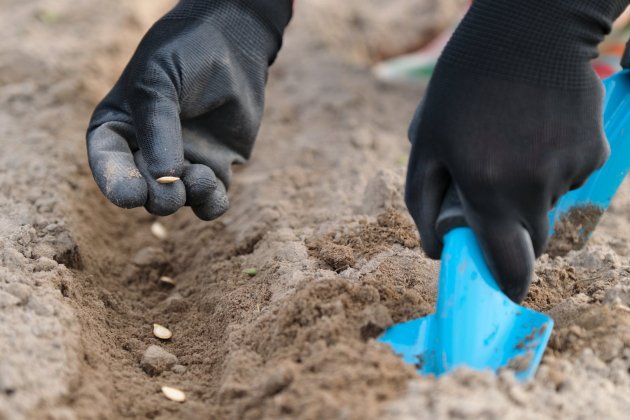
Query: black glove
625	58
187	106
512	117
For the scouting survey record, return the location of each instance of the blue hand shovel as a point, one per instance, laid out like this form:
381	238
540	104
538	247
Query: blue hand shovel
475	324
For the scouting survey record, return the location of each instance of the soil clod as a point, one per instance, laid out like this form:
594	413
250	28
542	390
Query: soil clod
574	229
156	360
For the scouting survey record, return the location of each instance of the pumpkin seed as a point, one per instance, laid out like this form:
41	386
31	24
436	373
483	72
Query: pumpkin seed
161	332
159	231
167	179
173	394
168	280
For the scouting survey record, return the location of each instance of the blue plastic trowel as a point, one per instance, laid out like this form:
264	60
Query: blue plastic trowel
475	324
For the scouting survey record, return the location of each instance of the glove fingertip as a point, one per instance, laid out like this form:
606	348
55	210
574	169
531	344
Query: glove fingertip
510	256
214	206
127	193
424	192
432	247
164	200
118	178
200	181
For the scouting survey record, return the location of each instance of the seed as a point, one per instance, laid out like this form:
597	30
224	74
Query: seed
159	231
250	272
167	179
161	332
167	280
173	394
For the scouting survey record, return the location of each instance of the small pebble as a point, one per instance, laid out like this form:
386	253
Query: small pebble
156	360
176	303
161	332
159	231
173	394
167	179
7	300
45	264
20	291
179	369
167	280
150	256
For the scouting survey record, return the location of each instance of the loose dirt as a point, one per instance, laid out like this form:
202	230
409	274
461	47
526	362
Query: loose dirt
368	31
318	213
573	229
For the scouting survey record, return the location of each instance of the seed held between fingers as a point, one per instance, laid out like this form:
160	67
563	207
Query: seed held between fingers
173	394
168	179
161	332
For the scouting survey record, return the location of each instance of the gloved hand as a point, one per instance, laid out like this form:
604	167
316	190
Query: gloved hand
513	118
187	106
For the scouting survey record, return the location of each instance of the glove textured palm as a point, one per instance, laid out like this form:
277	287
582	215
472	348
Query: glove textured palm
188	105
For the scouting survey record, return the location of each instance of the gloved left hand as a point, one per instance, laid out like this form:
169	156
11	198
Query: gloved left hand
187	106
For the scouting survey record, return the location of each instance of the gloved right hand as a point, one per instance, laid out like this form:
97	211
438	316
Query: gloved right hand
187	106
513	118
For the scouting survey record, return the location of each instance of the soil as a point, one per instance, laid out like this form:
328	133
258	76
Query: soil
573	229
319	214
368	31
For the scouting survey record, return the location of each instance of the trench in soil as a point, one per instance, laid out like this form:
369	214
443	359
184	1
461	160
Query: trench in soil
297	333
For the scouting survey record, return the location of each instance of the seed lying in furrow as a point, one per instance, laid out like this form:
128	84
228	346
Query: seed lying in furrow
173	394
161	332
167	280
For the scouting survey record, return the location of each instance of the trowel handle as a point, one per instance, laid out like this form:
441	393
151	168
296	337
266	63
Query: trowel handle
451	214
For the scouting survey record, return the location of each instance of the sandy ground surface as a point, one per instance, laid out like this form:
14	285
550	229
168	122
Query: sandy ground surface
367	31
318	212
